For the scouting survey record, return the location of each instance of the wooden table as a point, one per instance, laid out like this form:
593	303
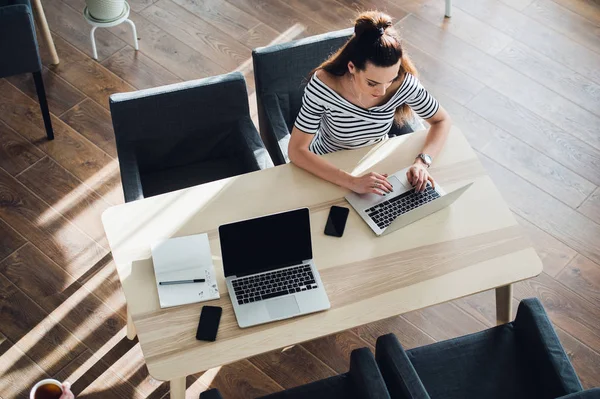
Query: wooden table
472	246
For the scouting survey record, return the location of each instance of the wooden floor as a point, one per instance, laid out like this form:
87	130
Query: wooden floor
521	78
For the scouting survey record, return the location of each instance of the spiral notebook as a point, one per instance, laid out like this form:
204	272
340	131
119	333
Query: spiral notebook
184	258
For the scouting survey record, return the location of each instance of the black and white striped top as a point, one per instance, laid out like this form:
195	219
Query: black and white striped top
338	124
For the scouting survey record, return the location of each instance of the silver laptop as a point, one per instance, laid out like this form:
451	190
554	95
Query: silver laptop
403	206
269	270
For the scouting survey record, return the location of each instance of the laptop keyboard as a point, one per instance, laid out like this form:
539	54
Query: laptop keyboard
384	213
273	284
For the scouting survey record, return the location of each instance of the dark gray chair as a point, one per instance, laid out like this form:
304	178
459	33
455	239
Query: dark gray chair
185	134
19	50
522	359
363	381
280	74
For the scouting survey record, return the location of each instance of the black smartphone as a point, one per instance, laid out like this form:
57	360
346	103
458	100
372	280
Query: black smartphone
336	222
209	323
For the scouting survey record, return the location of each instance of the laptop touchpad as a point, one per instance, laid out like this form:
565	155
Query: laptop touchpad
284	307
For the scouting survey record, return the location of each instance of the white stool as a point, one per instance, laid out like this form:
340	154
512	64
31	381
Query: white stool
124	17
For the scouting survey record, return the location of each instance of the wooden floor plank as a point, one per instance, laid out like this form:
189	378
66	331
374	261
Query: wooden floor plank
505	80
75	201
139	70
222	15
49	231
18	371
32	332
71	26
332	15
218	48
553	75
172	54
16	153
547	213
69	149
517	4
279	16
566	309
94	123
536	35
292	367
408	335
462	25
585	8
88	75
591	206
239	380
442	78
10	240
261	35
102	280
582	276
444	321
566	22
556	143
334	350
61	95
508	150
554	254
585	361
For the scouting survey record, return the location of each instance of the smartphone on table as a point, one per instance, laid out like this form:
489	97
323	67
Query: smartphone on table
336	222
210	317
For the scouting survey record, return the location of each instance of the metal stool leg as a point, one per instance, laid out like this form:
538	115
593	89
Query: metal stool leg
135	39
93	39
448	8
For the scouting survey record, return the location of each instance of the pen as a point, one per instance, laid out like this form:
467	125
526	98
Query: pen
197	280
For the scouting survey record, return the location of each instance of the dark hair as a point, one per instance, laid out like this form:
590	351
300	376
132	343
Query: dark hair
374	40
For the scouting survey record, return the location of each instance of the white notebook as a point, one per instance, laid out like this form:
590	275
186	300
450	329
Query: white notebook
184	258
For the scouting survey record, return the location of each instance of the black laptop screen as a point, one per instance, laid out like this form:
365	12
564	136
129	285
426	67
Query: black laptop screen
266	243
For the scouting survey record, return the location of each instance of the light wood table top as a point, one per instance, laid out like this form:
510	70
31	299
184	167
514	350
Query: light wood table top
472	246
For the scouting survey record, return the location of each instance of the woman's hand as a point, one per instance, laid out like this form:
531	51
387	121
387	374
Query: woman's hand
418	176
371	183
67	394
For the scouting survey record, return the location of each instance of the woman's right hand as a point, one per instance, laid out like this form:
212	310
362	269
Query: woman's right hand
371	183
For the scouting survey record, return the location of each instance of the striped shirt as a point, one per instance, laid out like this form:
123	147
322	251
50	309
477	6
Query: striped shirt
338	124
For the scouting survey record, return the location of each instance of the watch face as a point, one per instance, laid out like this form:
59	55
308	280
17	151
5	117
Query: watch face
426	158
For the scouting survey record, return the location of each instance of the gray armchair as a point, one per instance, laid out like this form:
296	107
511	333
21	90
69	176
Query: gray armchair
522	359
363	381
280	73
19	50
185	134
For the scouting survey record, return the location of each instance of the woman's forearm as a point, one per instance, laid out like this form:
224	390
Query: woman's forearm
319	167
436	137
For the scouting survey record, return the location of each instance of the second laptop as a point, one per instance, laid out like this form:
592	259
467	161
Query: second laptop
269	270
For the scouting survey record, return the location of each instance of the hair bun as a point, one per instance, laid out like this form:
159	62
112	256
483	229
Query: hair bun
372	23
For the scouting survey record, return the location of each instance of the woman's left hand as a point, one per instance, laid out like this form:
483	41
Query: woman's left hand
418	176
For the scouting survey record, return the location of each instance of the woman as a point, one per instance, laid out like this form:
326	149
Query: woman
352	100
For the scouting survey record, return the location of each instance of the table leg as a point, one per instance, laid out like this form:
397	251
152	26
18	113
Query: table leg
504	304
178	388
44	31
131	332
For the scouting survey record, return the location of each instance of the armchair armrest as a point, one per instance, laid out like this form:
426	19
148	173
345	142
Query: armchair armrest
398	372
366	375
537	338
593	393
211	394
254	143
277	128
130	173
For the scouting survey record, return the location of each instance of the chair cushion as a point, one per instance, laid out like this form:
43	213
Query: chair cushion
176	178
463	367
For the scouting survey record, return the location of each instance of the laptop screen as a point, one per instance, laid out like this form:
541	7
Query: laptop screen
266	243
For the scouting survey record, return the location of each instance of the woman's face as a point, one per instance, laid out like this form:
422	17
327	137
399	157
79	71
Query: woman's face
374	81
